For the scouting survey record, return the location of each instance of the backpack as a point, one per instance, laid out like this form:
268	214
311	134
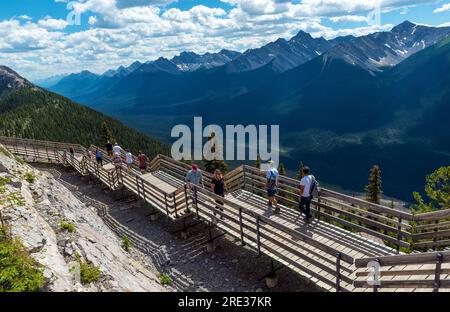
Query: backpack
272	183
315	189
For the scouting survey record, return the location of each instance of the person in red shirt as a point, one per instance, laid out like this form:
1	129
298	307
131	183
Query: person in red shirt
142	158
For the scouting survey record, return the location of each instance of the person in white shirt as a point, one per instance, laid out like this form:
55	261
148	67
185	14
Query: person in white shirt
117	149
129	160
306	185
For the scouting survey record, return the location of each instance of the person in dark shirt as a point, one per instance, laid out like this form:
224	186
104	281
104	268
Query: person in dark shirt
219	187
99	157
109	148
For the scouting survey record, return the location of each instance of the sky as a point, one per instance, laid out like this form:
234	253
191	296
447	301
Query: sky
43	38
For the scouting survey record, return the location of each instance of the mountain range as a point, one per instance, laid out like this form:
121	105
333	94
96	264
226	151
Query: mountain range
342	104
31	112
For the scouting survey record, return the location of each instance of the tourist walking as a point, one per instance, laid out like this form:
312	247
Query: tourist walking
117	161
194	178
142	159
129	160
99	157
307	186
117	148
272	177
109	148
219	187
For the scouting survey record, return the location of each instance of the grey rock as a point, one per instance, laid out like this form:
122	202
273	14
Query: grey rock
3	168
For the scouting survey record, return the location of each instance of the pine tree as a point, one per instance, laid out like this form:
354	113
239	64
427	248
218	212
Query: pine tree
299	175
373	189
281	170
106	133
258	162
211	165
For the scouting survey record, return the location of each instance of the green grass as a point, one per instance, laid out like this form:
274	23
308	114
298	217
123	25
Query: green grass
20	160
126	243
69	227
30	178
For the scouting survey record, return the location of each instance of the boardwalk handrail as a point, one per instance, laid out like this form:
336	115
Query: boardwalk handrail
260	238
398	228
425	268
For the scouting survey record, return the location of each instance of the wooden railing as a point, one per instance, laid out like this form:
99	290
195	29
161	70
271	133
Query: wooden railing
397	228
254	230
423	270
400	229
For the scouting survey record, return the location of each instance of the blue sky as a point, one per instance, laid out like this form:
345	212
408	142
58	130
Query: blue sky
39	39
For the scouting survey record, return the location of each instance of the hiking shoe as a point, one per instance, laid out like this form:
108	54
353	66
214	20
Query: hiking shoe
277	210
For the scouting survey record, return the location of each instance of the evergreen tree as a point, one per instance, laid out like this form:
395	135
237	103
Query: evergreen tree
281	170
437	189
211	165
373	189
299	175
106	133
258	162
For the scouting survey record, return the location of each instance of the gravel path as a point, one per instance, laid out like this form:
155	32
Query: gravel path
230	268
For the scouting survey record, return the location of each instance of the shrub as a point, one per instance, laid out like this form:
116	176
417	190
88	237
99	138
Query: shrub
20	160
30	178
165	279
69	227
18	271
89	273
126	243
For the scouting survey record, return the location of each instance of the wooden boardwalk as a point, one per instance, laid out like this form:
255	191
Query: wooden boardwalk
330	251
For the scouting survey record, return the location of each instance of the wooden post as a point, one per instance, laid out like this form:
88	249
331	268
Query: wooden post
187	201
399	234
167	206
241	226
437	274
175	205
435	237
143	192
318	207
137	186
338	272
375	286
258	235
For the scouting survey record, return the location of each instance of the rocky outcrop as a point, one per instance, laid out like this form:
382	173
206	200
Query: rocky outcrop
37	223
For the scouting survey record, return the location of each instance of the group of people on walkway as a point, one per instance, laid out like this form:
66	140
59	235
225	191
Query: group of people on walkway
115	152
307	187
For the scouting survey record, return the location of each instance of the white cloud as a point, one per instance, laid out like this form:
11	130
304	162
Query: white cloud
25	17
349	18
443	8
51	23
122	31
